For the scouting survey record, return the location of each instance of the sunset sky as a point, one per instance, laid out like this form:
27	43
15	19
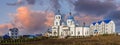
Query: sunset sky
36	16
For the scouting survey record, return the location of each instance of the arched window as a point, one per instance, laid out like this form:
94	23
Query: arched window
59	17
56	23
55	33
71	22
56	17
72	32
78	32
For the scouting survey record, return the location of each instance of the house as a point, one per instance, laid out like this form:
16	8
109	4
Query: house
14	33
106	26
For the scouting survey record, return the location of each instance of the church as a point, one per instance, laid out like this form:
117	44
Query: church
70	28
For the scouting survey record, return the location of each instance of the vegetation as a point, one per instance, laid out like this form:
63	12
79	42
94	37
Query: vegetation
93	40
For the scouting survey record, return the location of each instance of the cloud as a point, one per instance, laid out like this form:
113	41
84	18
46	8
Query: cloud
101	9
55	5
49	19
94	6
19	2
83	11
34	21
87	18
29	21
22	2
4	28
31	2
114	15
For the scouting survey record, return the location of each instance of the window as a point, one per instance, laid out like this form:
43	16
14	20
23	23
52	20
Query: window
56	23
12	33
55	32
59	17
78	32
15	36
56	17
54	28
72	32
12	37
15	33
68	21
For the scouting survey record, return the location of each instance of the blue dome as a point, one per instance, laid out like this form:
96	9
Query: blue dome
107	21
70	17
99	22
94	23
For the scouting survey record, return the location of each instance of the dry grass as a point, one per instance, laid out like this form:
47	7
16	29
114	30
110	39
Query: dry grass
95	40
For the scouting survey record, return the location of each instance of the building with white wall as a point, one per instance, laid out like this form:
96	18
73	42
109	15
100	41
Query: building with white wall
70	28
102	27
13	33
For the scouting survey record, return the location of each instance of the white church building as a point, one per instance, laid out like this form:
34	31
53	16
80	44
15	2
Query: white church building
70	28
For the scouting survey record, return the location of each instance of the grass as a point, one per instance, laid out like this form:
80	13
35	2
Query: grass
93	40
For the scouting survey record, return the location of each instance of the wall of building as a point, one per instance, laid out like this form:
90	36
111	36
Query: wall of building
103	28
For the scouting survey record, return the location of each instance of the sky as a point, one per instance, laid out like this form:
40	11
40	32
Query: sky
36	16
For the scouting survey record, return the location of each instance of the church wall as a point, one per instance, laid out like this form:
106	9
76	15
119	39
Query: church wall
55	31
82	32
61	31
72	31
86	31
92	28
79	31
102	28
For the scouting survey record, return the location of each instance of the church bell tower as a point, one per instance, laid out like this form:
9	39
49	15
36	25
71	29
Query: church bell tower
57	21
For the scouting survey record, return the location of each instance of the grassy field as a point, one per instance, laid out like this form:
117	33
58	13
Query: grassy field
93	40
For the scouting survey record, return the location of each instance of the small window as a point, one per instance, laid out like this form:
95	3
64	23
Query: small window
59	17
78	32
71	22
56	17
68	21
72	32
15	30
56	23
15	33
12	33
55	32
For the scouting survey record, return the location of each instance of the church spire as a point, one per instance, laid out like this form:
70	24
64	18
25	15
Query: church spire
70	13
58	12
70	16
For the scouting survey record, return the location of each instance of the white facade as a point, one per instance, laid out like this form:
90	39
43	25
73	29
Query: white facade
13	33
69	28
102	27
